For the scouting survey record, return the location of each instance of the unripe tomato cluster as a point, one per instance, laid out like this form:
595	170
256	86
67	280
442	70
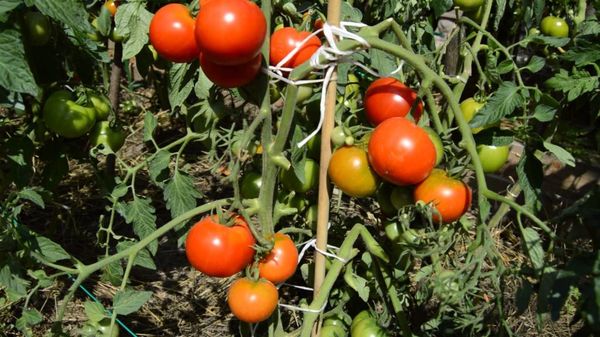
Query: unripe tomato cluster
401	153
222	248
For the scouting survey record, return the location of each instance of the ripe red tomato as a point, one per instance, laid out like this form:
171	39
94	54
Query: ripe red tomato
349	170
172	33
451	197
284	40
218	250
280	264
230	31
252	301
401	152
231	76
387	97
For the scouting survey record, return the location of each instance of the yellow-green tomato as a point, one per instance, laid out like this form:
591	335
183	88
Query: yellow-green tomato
492	157
350	171
468	5
114	138
469	108
554	26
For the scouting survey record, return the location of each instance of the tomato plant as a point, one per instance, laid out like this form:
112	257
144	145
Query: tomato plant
284	40
172	33
401	152
38	28
554	26
252	301
231	76
67	118
219	250
280	263
492	157
311	176
349	170
104	134
387	97
230	32
450	197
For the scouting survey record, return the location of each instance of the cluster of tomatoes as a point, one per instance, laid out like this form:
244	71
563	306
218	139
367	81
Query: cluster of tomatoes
399	152
222	246
72	117
226	37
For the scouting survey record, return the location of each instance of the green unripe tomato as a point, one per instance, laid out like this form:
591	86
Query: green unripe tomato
492	157
38	28
65	117
311	177
114	138
314	147
338	136
534	31
554	26
104	329
468	5
310	216
250	186
116	37
304	92
469	108
333	327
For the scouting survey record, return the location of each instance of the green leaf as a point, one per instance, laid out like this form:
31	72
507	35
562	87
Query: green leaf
350	13
502	103
94	311
181	83
546	108
141	214
133	21
180	193
29	318
51	250
15	287
150	124
590	26
158	167
583	53
70	12
6	6
535	64
500	8
533	245
505	67
119	191
203	85
561	154
15	75
126	301
357	283
546	40
530	174
575	84
440	7
32	195
143	257
113	273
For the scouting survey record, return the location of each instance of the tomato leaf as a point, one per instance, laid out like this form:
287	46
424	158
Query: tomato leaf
584	53
158	167
500	8
143	257
533	247
127	301
561	154
575	84
530	173
133	21
150	124
141	214
440	7
94	311
181	83
502	103
180	193
15	75
113	273
15	287
6	6
589	27
49	249
29	318
536	64
203	85
31	195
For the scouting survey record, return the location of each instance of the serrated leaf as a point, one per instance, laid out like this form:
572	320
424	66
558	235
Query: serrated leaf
70	12
533	245
29	318
502	103
574	85
143	257
440	7
32	195
547	40
15	75
94	311
119	191
505	67
6	7
589	27
113	273
51	250
158	167
15	287
561	154
203	85
500	8
141	214
133	21
544	113
530	175
349	13
150	124
535	64
181	83
180	193
126	301
583	53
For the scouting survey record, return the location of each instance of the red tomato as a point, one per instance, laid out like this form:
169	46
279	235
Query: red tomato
281	262
230	31
172	33
252	301
219	250
451	197
284	40
387	97
231	76
401	152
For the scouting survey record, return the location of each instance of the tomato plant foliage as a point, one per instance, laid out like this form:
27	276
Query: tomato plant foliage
137	131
